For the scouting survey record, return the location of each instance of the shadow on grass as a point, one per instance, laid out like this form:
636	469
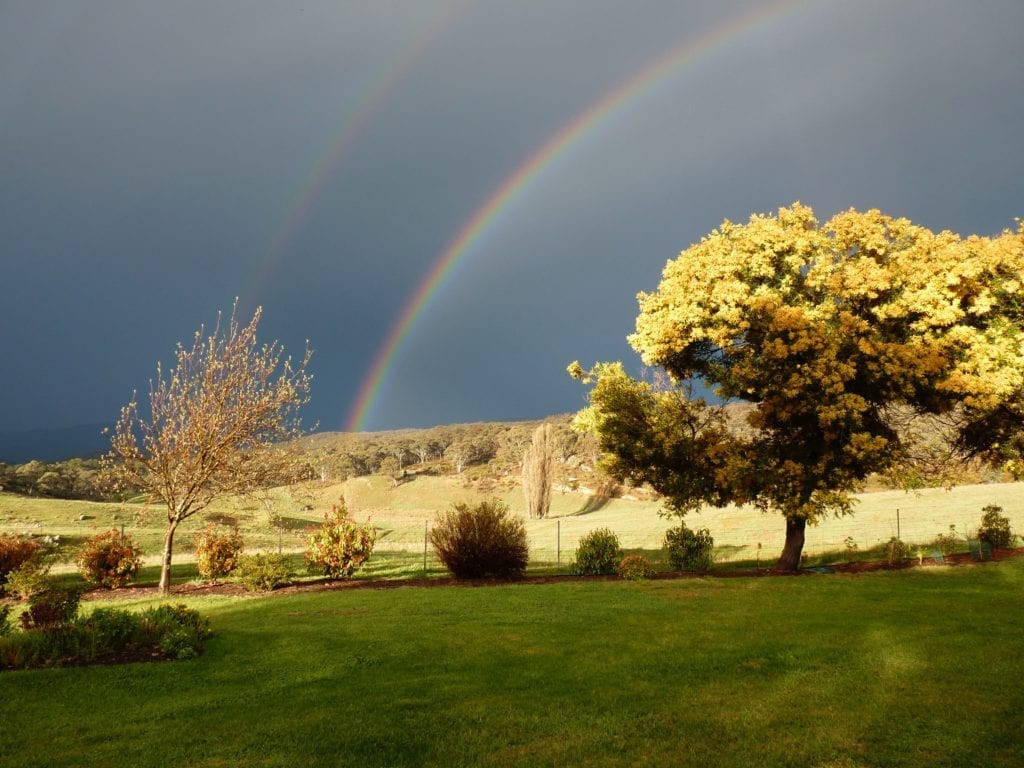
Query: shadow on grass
599	499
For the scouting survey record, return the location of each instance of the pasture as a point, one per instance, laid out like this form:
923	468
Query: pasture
402	512
905	668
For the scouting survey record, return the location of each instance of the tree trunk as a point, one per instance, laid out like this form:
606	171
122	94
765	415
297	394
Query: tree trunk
790	558
165	568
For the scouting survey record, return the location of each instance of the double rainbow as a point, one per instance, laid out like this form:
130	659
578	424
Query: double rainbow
572	132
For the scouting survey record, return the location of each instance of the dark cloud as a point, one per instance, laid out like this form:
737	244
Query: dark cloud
152	155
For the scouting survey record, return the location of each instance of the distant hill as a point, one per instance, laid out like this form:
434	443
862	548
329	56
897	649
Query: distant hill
83	441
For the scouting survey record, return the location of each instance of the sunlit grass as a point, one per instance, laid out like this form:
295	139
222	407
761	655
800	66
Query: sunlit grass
403	513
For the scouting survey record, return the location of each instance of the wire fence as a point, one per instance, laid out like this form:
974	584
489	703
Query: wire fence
740	534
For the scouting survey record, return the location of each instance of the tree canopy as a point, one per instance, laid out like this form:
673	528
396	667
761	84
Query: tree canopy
213	424
827	330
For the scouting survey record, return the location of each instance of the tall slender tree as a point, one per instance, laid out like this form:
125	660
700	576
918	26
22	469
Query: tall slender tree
539	471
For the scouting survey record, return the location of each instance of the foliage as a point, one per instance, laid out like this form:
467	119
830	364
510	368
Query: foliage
635	568
475	541
657	433
690	550
15	551
106	635
71	479
29	578
213	425
897	551
51	607
109	559
995	527
217	551
340	546
597	553
948	543
264	571
828	330
5	624
539	471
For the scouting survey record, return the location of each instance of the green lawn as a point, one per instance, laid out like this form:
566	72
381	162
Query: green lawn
908	668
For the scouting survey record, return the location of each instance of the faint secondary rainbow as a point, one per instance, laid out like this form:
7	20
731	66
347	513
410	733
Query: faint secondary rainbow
327	162
568	135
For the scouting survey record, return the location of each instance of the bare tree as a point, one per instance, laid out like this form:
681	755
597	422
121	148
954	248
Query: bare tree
214	427
539	471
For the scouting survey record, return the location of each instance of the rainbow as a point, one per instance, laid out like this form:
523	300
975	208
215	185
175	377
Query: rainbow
566	137
326	164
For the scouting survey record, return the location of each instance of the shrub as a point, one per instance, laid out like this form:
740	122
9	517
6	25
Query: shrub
109	560
179	631
897	551
15	551
108	635
482	540
947	543
264	571
690	550
598	552
636	568
340	546
51	607
995	527
28	579
5	624
217	552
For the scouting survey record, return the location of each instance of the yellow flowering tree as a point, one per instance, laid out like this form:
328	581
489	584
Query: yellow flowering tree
827	330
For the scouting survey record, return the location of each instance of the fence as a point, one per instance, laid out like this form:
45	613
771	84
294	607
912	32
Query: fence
740	534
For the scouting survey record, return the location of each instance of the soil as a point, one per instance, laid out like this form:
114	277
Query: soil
322	585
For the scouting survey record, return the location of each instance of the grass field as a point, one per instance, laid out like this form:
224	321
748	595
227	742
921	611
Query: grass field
907	668
403	512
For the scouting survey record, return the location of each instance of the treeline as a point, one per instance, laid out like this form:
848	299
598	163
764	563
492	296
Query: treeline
71	479
495	447
491	449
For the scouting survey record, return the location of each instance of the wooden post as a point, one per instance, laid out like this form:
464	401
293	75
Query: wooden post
898	536
425	523
558	545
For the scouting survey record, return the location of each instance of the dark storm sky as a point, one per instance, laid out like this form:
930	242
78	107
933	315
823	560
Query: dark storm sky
159	159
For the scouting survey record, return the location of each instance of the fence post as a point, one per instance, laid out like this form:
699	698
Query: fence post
898	535
425	523
558	546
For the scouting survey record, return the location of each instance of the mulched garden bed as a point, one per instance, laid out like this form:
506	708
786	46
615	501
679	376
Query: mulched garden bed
323	585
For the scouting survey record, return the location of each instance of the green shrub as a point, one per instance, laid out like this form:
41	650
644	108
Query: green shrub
948	543
179	631
690	550
995	527
51	607
108	635
264	571
597	553
28	578
897	551
109	559
636	568
340	546
5	624
482	540
217	551
15	551
114	629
